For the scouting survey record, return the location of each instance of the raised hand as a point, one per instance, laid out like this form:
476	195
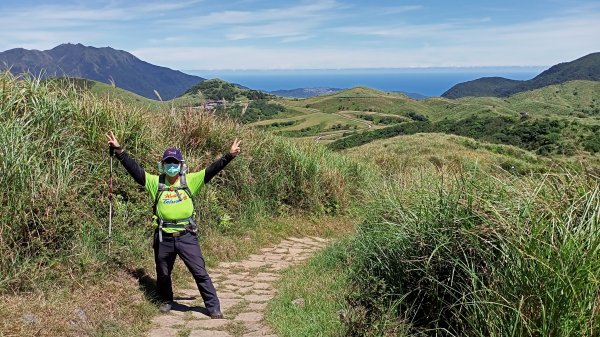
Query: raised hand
114	143
235	148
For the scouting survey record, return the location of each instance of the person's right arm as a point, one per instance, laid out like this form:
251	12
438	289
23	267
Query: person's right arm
134	169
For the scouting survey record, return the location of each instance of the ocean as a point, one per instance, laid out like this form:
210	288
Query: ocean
423	81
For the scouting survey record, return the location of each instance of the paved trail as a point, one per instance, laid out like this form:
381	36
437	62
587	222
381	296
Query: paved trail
244	289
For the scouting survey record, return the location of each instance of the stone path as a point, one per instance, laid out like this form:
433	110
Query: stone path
244	288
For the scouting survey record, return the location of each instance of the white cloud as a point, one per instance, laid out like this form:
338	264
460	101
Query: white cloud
316	10
296	38
57	16
163	6
483	29
495	52
45	26
281	29
396	9
290	23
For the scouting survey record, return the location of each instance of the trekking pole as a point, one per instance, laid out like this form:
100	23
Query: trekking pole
110	196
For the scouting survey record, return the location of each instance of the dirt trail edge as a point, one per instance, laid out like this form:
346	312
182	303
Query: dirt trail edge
244	289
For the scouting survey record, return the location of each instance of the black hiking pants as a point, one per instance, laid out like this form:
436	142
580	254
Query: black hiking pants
188	249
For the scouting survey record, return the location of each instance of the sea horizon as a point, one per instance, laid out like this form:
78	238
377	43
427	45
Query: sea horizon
426	81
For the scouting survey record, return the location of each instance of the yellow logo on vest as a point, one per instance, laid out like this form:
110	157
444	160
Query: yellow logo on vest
173	198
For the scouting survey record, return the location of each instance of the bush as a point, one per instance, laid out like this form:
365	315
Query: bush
417	117
592	143
215	90
255	111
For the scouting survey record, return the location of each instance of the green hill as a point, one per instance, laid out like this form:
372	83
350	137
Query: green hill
449	152
555	119
585	68
103	90
217	89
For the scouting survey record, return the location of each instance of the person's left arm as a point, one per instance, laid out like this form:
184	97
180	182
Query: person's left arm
216	167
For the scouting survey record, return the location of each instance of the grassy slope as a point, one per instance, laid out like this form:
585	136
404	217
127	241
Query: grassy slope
103	90
421	258
474	254
439	151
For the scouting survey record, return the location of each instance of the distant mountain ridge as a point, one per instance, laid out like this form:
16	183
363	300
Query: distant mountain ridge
312	92
100	64
584	68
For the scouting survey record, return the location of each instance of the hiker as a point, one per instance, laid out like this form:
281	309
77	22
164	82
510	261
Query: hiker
175	227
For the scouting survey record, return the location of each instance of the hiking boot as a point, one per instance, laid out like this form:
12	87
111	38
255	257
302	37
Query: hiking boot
216	315
164	308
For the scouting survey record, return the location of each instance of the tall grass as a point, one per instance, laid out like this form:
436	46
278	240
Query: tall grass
54	171
468	254
55	167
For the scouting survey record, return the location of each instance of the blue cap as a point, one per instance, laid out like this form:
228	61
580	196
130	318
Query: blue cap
172	153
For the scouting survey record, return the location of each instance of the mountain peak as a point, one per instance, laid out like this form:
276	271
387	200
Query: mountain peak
70	45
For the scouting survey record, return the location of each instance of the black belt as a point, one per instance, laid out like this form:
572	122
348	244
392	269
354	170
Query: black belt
183	223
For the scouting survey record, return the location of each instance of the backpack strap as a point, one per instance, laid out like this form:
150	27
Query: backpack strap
161	188
184	186
192	226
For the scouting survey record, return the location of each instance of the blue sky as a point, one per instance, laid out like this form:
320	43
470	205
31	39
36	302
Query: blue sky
268	34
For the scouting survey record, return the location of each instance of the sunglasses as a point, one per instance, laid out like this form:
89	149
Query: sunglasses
171	161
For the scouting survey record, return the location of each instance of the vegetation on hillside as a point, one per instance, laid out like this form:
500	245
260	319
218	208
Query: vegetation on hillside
559	119
543	136
466	254
252	111
402	155
571	110
217	89
54	220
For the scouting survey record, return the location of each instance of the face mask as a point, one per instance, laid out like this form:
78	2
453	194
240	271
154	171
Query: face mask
172	169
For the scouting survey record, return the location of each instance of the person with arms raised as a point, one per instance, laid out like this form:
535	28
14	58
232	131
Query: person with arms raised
174	218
